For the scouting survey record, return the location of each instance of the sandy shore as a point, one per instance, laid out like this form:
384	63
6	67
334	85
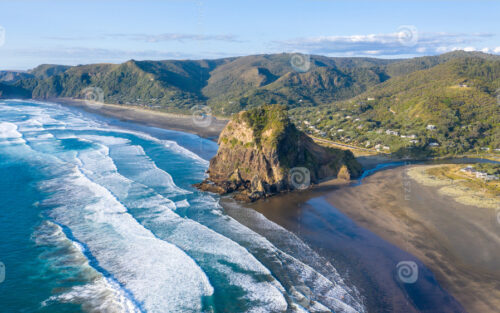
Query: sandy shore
459	188
184	123
458	242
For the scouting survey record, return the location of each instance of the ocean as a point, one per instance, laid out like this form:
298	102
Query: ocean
99	215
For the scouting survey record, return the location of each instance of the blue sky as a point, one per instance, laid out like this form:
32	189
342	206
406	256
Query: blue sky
79	32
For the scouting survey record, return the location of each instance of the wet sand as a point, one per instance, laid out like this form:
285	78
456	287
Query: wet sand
143	116
366	230
459	243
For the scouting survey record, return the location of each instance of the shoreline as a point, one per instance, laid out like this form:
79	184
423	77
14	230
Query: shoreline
171	121
458	243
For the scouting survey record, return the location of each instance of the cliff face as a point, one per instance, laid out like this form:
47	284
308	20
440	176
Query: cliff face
262	153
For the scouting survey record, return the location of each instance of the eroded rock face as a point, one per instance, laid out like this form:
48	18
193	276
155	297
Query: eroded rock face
262	153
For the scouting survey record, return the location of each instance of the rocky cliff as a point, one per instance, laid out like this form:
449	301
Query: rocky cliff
262	153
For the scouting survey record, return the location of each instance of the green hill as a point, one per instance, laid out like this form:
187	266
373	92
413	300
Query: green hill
227	85
363	101
450	108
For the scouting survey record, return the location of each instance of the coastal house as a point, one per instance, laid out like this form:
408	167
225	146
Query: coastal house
468	169
481	175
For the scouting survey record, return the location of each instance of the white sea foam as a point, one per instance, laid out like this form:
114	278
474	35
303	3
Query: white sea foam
213	250
137	164
100	294
9	130
9	134
145	265
182	204
330	292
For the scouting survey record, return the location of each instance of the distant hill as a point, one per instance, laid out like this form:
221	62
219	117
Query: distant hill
228	85
44	71
345	99
9	77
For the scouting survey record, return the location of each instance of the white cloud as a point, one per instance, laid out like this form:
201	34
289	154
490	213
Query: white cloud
150	37
407	41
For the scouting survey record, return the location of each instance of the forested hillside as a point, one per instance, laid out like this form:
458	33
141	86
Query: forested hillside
447	109
429	105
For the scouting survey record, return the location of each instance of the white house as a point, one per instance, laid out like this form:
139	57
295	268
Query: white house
431	127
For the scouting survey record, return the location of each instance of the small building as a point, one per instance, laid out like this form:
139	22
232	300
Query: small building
370	99
468	169
434	144
431	127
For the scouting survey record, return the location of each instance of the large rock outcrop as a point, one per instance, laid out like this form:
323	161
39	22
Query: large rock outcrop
262	153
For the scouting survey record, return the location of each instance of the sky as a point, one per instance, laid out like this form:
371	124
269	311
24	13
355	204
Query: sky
80	32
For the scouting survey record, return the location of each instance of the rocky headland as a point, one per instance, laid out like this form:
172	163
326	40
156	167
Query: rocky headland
262	153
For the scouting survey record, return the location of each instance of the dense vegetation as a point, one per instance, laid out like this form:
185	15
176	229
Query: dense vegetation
451	108
489	168
438	105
